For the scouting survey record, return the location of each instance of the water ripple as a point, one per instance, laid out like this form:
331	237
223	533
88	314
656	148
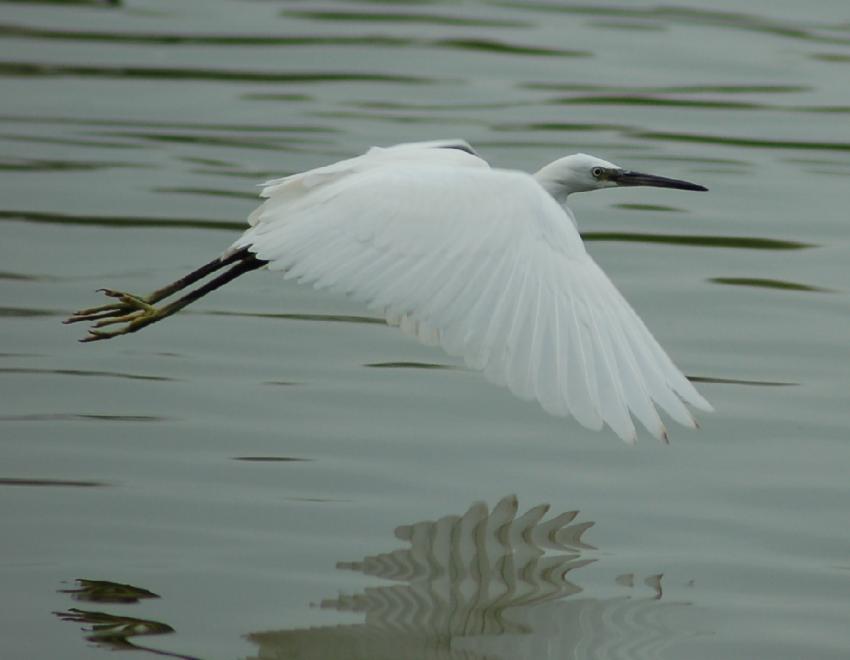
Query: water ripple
399	17
488	45
436	107
39	217
98	3
37	69
172	38
500	47
740	242
88	143
78	417
691	17
655	208
667	136
82	372
271	459
24	312
47	165
749	88
206	192
702	104
265	143
738	381
27	277
839	58
399	119
767	283
8	481
408	365
170	125
723	140
632	100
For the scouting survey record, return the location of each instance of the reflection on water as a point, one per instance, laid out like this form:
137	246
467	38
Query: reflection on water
113	633
103	591
491	583
109	631
485	584
462	574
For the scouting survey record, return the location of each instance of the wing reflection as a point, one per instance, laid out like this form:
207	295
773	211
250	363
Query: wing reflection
104	591
462	573
114	632
487	584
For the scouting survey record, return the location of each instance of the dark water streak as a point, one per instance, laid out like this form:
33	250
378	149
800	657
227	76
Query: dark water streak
672	15
82	372
253	40
36	69
62	483
767	283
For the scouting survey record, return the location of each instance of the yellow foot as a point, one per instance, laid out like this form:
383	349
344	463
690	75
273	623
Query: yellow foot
134	311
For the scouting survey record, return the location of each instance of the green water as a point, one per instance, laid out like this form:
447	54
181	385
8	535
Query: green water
229	484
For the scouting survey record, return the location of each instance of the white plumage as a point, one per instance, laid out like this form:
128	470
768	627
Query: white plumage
486	263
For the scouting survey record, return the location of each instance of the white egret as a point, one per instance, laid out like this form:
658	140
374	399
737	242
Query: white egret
485	262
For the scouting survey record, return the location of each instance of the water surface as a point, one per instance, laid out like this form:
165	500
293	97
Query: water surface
275	473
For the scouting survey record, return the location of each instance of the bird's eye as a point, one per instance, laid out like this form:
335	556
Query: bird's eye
597	172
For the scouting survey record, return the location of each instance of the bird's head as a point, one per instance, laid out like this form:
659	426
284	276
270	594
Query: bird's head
582	172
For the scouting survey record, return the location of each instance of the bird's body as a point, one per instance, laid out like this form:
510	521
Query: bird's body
487	263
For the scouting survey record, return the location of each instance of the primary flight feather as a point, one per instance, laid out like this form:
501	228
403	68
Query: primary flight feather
485	262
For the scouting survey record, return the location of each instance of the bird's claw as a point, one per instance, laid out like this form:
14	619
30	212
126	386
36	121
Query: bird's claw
94	313
134	311
95	335
127	300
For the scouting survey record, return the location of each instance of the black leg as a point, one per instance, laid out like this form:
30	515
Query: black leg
200	273
137	312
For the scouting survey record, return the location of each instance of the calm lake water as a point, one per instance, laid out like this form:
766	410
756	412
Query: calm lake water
276	474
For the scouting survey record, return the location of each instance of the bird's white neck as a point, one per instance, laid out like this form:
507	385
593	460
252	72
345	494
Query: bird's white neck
552	185
566	176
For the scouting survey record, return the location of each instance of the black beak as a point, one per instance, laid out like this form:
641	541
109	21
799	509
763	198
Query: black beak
629	178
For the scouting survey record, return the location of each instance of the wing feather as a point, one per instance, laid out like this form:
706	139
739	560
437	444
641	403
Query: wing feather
582	393
518	343
483	262
613	404
486	310
635	389
550	365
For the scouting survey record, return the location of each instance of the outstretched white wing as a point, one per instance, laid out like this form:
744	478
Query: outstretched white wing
484	263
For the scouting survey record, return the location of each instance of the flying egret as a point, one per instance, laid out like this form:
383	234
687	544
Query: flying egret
485	262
